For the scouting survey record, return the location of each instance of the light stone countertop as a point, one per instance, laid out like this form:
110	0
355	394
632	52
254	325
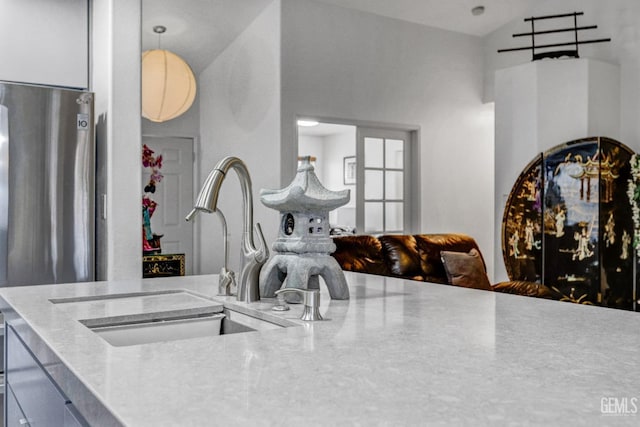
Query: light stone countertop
399	352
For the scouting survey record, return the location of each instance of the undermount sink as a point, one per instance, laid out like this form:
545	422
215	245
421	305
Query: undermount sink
155	316
213	324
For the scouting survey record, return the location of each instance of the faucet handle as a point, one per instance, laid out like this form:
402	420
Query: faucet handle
262	254
310	299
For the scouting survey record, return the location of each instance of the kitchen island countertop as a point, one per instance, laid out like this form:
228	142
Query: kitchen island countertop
399	352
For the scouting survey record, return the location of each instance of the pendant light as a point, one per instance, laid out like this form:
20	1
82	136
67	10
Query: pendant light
168	84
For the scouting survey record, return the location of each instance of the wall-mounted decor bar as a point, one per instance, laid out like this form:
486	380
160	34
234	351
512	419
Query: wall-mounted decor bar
562	30
562	15
555	53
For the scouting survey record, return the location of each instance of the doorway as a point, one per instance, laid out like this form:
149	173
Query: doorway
173	195
333	146
377	164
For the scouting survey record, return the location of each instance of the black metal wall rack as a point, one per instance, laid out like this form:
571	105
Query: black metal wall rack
555	53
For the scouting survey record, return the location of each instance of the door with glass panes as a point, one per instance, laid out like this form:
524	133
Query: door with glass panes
383	184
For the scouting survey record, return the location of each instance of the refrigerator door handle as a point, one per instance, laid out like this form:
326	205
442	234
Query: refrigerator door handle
4	192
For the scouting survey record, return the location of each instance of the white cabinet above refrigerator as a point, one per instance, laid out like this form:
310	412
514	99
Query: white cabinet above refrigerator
45	42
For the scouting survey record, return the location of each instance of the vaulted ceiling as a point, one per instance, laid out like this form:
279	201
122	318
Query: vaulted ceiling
454	15
199	30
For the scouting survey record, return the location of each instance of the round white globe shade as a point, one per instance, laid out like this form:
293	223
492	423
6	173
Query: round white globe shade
168	85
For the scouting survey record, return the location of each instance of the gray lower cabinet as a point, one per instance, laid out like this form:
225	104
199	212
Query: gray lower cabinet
15	417
71	417
32	397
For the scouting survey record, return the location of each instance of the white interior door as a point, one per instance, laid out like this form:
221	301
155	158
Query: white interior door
174	195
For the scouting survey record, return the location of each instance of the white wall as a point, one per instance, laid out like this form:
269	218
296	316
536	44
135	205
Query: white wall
240	116
116	58
45	42
352	65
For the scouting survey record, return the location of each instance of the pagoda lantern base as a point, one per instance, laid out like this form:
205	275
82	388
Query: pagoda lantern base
303	271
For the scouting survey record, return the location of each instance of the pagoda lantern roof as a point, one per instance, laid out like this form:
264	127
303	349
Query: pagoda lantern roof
304	194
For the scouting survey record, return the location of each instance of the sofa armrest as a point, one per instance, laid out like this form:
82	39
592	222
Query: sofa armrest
530	289
360	253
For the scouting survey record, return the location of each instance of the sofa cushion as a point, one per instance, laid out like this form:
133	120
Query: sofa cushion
360	253
466	269
401	254
430	246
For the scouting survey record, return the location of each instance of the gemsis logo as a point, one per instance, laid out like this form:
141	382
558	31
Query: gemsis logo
619	406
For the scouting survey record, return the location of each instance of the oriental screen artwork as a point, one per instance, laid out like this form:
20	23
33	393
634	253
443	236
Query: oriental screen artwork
568	224
522	226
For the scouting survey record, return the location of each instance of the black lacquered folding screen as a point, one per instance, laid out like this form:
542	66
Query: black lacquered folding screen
568	224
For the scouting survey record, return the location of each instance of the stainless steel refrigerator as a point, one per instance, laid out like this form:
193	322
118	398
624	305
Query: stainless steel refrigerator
47	175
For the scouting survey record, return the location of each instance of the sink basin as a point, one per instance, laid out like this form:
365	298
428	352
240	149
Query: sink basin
162	329
164	315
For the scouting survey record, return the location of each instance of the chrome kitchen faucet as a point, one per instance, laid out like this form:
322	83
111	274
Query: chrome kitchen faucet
252	258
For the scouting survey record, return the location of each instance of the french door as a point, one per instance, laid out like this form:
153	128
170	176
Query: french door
383	183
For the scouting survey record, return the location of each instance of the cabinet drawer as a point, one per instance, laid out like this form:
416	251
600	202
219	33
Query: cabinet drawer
14	415
40	400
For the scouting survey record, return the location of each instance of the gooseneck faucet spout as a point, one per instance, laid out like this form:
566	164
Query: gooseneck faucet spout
252	258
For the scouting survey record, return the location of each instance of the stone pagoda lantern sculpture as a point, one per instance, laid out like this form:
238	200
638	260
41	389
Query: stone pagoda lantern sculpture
303	247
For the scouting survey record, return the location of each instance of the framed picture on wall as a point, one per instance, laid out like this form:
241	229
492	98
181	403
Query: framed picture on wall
349	170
